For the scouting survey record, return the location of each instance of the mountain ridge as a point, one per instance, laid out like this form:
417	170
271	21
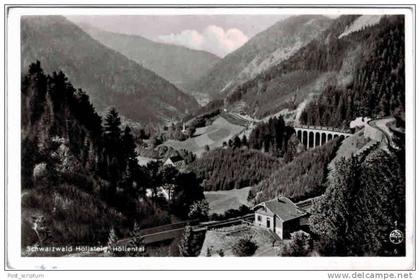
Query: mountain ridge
266	48
329	66
177	64
304	74
110	78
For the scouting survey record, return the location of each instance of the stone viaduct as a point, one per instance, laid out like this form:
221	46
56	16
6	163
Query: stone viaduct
314	136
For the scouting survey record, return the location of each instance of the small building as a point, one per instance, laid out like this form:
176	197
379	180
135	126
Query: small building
175	161
280	215
184	128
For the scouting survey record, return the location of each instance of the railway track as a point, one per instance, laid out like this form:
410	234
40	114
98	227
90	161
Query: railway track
171	231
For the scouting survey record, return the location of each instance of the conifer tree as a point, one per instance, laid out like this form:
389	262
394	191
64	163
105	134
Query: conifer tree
37	81
208	252
112	132
128	144
136	242
113	147
186	246
236	142
112	240
244	141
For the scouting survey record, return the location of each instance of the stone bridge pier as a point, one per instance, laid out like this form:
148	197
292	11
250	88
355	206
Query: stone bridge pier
314	136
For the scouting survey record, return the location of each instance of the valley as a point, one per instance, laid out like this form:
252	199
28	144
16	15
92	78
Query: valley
272	150
179	65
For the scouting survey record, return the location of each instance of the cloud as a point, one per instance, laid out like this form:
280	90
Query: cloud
213	39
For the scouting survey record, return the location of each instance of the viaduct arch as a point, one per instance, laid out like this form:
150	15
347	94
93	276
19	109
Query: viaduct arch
314	136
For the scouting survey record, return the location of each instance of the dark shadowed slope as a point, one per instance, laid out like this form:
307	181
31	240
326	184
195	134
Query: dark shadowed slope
179	65
109	78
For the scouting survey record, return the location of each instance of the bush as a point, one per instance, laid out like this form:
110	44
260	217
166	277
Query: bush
199	210
300	245
245	247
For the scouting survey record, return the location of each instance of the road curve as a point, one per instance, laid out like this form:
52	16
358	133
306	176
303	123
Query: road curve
381	125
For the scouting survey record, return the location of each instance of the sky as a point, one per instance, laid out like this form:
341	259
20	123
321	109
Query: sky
217	34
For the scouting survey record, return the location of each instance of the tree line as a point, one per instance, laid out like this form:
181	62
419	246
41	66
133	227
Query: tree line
271	137
378	86
70	156
301	178
363	203
270	91
233	168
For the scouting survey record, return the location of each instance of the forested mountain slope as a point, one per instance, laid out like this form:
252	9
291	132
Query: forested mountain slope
301	178
305	73
358	73
109	78
233	168
378	86
267	48
80	178
369	195
179	65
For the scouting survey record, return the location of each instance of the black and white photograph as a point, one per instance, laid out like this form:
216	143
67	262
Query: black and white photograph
211	133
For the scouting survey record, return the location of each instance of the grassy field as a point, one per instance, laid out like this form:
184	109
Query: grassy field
220	201
225	238
213	135
235	119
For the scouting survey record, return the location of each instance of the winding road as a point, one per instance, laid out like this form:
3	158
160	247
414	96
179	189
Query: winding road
381	125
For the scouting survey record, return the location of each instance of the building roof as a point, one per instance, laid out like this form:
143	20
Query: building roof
175	158
282	207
